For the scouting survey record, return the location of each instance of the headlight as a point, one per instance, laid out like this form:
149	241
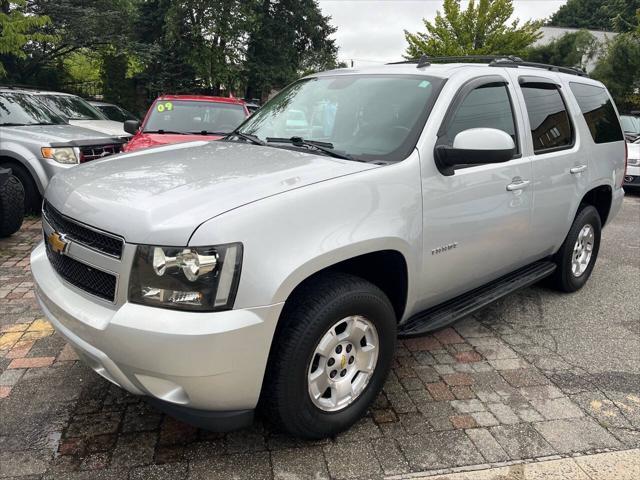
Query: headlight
60	154
192	278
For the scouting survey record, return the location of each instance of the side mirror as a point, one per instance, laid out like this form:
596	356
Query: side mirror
131	126
475	146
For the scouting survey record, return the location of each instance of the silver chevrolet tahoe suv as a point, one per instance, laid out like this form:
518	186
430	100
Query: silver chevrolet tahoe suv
36	143
275	269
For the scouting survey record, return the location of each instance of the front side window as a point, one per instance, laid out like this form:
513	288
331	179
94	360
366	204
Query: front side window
73	108
487	106
369	117
18	109
187	116
598	111
550	125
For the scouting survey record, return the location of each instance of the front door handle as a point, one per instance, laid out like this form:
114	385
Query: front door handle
518	184
578	169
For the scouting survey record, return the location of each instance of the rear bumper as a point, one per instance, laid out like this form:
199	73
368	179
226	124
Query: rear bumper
632	177
190	363
616	203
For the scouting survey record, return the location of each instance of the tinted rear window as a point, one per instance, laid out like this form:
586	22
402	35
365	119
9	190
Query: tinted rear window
550	125
598	111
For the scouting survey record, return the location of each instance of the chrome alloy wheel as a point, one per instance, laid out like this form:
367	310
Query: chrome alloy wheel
343	363
582	250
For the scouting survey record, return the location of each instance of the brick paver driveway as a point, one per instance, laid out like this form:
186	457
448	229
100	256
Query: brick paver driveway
538	374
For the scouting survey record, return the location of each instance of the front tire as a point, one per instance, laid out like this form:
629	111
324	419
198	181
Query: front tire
577	256
330	357
32	198
11	207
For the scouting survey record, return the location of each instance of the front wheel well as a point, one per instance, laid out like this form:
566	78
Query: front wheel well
600	198
386	269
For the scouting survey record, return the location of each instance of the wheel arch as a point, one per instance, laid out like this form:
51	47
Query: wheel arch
36	171
384	266
601	198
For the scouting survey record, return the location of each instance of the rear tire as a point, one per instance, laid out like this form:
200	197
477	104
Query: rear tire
32	198
11	206
333	308
577	256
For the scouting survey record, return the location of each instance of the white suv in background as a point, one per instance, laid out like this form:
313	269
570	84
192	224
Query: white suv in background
632	175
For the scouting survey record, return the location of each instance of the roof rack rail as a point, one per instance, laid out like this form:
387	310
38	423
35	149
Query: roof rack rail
17	86
492	61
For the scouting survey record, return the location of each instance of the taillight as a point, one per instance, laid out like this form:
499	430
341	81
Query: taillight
626	162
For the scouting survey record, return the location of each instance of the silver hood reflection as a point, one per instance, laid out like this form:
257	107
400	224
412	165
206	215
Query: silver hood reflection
161	195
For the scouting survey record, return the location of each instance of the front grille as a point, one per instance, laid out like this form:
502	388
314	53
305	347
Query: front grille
98	151
89	279
81	234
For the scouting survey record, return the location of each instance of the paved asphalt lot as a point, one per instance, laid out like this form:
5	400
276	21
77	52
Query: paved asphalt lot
536	375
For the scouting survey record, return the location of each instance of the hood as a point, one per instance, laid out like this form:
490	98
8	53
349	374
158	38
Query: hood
146	140
44	135
108	127
161	195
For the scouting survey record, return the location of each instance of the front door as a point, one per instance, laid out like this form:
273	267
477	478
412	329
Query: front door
476	221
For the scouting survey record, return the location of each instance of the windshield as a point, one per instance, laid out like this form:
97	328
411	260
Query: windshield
71	107
368	117
186	116
23	109
630	124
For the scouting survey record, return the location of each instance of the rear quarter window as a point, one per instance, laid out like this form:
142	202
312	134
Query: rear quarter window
598	112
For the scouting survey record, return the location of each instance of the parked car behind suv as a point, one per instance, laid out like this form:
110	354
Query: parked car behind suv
185	118
114	112
632	174
36	143
631	126
77	111
272	268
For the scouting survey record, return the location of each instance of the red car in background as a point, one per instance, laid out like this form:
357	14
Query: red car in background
185	118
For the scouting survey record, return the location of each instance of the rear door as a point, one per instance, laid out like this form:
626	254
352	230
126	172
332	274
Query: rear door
560	169
605	137
476	221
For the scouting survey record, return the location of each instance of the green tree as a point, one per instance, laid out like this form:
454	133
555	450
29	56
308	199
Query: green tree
573	49
217	33
619	70
17	29
482	29
162	49
616	15
74	26
290	38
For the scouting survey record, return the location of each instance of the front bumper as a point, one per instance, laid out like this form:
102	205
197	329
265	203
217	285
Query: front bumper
191	362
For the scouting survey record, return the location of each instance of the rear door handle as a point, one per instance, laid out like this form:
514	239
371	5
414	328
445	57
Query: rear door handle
518	185
578	169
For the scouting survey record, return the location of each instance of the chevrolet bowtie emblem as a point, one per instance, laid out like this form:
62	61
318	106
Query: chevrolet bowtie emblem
57	242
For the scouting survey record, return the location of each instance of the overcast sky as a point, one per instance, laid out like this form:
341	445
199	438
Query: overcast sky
371	31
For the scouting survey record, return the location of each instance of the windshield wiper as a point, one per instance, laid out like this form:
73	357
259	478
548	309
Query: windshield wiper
207	132
9	124
162	132
246	136
325	147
